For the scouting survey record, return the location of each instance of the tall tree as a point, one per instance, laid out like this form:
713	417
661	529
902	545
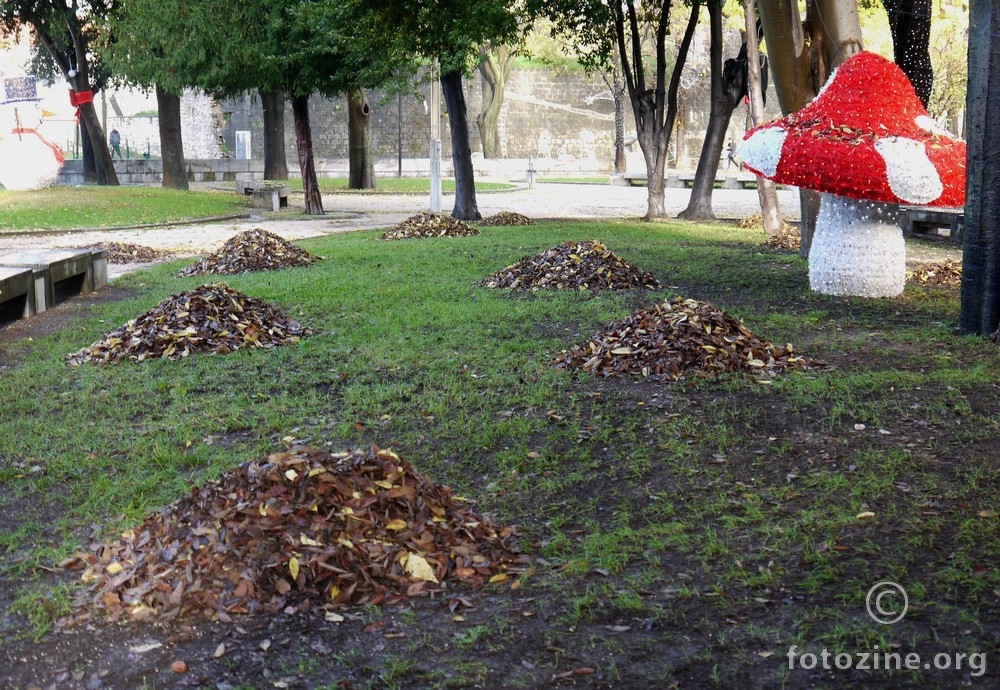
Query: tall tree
801	56
168	106
598	29
495	65
756	86
361	172
728	85
66	29
273	109
980	313
159	47
451	32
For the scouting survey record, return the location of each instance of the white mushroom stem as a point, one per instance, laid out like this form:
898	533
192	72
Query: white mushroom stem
857	249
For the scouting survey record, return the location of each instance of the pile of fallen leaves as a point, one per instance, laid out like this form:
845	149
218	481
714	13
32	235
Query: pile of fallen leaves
506	218
787	238
585	265
210	319
128	253
679	338
298	529
429	224
945	272
252	250
755	221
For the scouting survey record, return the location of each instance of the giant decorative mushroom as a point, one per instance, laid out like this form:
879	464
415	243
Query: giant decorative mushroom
867	144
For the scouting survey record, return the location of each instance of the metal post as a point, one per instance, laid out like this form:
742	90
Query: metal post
399	134
435	145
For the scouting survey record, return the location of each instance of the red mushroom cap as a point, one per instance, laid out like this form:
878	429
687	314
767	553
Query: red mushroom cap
865	136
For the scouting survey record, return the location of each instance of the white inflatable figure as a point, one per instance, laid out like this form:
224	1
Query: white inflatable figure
27	159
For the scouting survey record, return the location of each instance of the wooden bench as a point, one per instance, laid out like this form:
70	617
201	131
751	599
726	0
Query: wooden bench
267	195
923	221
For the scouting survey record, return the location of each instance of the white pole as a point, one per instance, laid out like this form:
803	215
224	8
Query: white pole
435	148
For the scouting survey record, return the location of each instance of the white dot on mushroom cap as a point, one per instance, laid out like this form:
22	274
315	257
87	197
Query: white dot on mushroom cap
762	150
928	123
911	174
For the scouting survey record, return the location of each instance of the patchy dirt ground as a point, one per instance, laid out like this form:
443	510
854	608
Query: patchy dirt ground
688	626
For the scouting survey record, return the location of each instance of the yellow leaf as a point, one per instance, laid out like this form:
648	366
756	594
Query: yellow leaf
383	484
306	541
396	524
292	475
334	592
114	568
416	566
865	515
293	567
499	577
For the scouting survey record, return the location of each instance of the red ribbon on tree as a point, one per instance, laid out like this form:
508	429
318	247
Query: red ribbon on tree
78	98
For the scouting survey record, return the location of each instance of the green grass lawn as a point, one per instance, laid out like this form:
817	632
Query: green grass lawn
63	208
687	532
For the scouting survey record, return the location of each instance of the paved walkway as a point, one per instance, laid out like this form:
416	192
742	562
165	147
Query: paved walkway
346	212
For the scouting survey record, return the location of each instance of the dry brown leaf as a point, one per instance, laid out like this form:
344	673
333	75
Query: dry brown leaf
679	338
217	554
429	224
211	319
587	265
250	251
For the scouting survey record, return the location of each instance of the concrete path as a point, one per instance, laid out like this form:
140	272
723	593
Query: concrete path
347	212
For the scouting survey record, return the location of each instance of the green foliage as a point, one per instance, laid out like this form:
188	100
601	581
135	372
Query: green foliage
289	46
450	31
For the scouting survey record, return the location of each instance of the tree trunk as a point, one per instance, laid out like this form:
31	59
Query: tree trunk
87	155
307	164
910	26
655	110
80	84
723	102
766	191
361	168
461	151
494	67
104	165
618	94
275	161
801	56
171	143
980	312
809	201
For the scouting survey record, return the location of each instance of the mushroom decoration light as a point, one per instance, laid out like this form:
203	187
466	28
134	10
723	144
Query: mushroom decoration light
867	144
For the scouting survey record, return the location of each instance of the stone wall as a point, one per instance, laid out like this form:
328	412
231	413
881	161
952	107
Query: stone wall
563	120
